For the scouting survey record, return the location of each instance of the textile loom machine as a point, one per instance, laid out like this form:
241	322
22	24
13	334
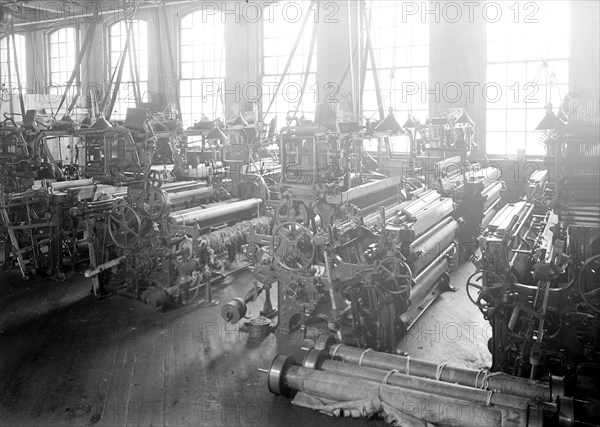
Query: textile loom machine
368	278
118	154
476	191
41	237
325	178
35	234
452	132
538	277
163	245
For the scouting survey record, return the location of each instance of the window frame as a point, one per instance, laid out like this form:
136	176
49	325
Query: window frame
220	80
399	67
21	59
267	96
560	83
77	80
143	84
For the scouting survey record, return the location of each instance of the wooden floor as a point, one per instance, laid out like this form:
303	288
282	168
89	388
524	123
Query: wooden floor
68	359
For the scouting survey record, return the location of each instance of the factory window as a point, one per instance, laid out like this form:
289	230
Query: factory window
281	26
202	72
63	45
134	80
8	70
401	49
527	68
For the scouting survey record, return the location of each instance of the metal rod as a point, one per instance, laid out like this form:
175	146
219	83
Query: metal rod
469	377
344	388
217	215
424	384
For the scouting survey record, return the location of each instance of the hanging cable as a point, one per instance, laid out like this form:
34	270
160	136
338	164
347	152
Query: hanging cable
119	76
86	44
8	66
18	74
133	64
83	75
352	83
173	70
306	73
290	58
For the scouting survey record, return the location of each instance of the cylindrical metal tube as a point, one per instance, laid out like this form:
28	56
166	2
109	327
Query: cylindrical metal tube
236	234
211	216
424	384
65	185
189	197
433	245
487	218
504	383
491	194
414	403
428	218
175	187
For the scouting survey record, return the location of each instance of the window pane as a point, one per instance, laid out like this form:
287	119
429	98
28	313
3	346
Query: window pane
63	50
279	37
401	47
135	70
535	57
202	66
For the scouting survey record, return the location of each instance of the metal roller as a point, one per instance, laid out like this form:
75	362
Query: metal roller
430	245
479	379
65	185
491	194
285	378
487	218
427	218
426	199
315	360
175	187
214	215
426	288
189	197
236	234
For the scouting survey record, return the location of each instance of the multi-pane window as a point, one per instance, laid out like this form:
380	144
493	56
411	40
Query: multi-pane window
63	44
8	67
134	80
280	31
527	68
202	66
401	49
400	44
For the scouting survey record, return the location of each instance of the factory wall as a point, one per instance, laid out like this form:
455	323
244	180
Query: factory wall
457	52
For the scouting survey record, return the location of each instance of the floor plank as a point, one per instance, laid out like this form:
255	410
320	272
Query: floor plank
69	359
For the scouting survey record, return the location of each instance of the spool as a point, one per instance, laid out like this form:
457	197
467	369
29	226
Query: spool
234	310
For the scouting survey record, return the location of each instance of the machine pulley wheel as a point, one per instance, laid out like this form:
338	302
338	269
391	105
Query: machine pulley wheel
155	178
588	282
482	292
394	277
277	373
291	211
153	203
124	226
293	246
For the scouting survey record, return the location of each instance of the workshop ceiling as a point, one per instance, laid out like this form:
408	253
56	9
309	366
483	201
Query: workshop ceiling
21	12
